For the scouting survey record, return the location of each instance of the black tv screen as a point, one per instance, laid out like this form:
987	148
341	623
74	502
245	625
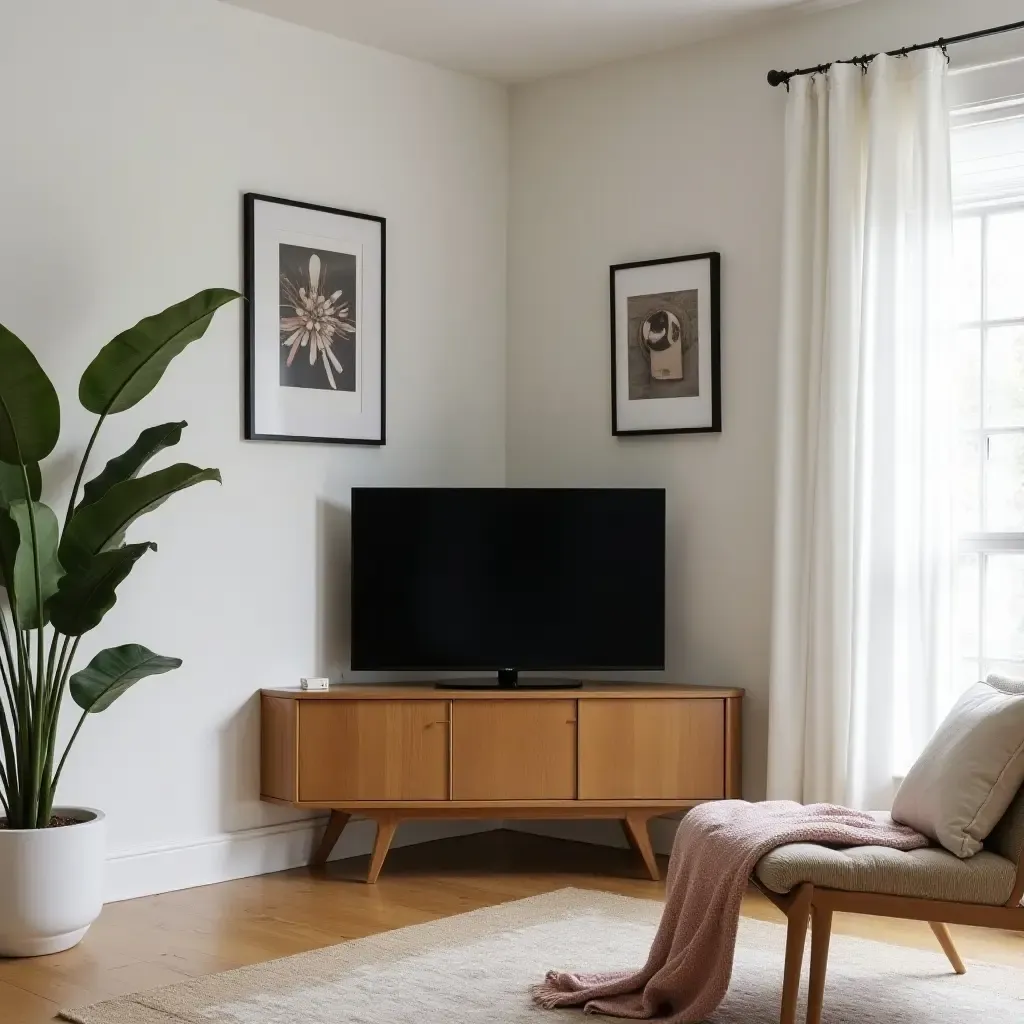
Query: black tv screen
523	579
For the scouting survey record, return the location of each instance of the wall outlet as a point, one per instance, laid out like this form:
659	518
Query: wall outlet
314	684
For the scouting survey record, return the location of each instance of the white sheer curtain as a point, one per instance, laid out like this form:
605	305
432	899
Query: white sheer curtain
861	653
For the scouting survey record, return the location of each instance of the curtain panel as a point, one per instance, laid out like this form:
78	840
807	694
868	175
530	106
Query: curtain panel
861	639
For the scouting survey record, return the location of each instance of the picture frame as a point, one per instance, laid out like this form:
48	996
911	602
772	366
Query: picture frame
666	346
315	324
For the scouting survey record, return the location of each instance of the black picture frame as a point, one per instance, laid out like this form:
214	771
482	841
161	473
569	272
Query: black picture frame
250	432
715	345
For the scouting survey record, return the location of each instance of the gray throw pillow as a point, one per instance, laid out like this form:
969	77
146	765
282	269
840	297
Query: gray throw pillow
969	773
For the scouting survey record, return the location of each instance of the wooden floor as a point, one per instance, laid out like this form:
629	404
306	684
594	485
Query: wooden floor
158	940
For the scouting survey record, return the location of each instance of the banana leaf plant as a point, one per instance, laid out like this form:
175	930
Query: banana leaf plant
61	580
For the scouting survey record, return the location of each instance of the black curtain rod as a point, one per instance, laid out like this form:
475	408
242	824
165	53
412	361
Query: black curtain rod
776	78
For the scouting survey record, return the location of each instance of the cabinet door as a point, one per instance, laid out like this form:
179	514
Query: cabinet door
513	749
652	749
351	750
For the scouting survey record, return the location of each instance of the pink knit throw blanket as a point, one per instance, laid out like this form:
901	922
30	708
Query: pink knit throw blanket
688	969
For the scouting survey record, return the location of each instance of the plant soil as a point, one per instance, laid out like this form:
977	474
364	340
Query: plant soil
57	821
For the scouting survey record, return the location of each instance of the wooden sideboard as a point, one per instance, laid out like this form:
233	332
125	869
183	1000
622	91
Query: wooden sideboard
395	753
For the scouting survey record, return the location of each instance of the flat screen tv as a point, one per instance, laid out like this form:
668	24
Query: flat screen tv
508	580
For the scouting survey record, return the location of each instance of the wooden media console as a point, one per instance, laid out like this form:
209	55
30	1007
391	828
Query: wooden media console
396	753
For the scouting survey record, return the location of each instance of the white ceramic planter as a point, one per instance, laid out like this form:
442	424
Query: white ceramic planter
51	883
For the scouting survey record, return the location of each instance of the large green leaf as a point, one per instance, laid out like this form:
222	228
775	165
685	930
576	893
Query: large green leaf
128	466
29	408
12	483
129	367
85	595
101	526
9	539
113	671
47	534
12	488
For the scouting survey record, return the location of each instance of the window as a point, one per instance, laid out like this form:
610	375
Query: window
989	184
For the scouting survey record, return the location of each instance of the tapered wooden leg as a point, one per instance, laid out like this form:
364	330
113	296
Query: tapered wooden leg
386	828
821	932
796	935
335	826
946	942
635	826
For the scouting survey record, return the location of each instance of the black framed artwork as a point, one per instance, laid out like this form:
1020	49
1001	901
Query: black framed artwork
315	323
666	346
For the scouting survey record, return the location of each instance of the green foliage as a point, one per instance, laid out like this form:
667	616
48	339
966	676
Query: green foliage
127	466
131	365
86	594
101	526
29	409
12	483
36	568
12	488
61	583
112	672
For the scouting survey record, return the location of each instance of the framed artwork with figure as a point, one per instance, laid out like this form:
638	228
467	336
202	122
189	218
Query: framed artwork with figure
315	323
666	346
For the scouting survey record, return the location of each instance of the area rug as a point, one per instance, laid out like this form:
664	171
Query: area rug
476	968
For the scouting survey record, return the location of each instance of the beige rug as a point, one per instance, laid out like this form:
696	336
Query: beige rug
476	969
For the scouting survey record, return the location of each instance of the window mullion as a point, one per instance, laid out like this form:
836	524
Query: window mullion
982	588
983	452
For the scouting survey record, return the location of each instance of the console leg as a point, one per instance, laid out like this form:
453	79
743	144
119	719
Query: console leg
386	827
635	826
335	826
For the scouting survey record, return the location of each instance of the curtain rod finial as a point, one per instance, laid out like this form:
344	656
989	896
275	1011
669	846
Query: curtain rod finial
777	78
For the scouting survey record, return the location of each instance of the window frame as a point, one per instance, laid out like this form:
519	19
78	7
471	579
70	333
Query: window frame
986	543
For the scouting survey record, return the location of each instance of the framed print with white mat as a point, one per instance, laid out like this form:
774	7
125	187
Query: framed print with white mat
315	323
666	346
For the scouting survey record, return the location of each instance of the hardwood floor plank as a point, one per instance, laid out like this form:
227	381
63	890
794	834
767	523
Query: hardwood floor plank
17	1005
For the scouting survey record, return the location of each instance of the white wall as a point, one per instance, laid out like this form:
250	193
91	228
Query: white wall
676	153
129	130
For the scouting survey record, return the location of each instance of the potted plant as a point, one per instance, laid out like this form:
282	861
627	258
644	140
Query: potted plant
59	581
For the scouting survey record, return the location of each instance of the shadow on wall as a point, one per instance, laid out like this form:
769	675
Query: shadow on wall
239	736
238	743
333	588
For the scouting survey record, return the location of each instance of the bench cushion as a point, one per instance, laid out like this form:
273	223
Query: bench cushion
931	873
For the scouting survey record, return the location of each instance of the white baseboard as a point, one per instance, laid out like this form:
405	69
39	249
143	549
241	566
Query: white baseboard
260	851
255	851
600	832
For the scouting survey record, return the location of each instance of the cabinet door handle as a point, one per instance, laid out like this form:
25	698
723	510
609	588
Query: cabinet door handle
570	721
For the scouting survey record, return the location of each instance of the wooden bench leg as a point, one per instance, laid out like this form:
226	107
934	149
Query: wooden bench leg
821	932
335	826
635	826
796	935
946	942
386	827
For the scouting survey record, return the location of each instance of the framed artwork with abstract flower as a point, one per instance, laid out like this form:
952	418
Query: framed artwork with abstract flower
666	346
314	337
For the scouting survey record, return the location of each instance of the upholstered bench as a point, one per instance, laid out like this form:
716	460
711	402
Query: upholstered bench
811	882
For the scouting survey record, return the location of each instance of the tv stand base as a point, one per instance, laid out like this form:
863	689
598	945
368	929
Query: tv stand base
634	825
